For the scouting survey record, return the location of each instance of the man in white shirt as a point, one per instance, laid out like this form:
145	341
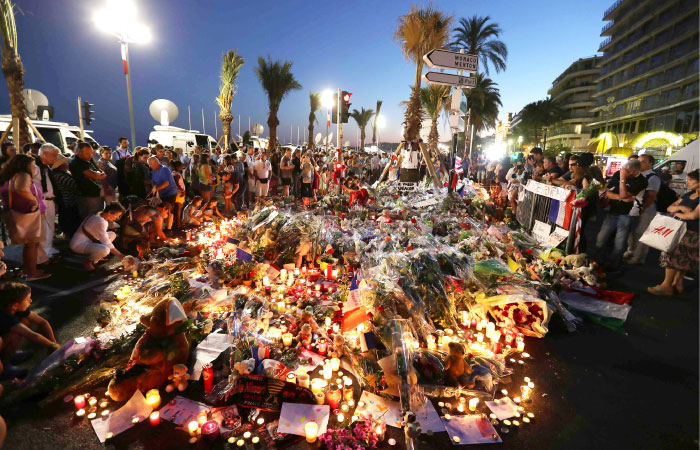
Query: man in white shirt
262	169
92	238
642	212
250	168
41	177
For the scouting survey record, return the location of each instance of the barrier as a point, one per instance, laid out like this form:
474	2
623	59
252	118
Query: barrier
546	212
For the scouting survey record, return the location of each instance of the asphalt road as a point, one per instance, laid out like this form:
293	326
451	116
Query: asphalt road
595	388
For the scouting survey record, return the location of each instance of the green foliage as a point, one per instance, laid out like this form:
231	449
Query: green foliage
478	36
484	102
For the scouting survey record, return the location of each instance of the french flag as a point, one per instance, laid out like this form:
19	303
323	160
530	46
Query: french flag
353	312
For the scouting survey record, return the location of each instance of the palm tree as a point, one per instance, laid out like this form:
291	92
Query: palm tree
277	79
433	102
315	103
539	114
484	101
13	69
418	32
230	67
374	122
478	36
362	118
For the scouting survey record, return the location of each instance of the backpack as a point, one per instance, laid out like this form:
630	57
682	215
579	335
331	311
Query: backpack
665	197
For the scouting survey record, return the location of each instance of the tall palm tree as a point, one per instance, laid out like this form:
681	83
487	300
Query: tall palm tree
278	80
484	102
13	69
478	36
362	118
374	122
315	103
418	32
540	114
433	102
230	67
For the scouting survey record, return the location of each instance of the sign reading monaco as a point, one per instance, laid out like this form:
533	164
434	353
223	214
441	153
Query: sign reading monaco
446	59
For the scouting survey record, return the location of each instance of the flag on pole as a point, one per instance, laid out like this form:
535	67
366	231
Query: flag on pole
458	165
126	67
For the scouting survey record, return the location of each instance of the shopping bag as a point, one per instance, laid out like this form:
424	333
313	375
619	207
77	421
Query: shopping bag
155	200
663	233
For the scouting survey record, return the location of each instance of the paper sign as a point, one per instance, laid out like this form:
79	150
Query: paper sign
208	350
424	203
314	358
388	365
268	394
429	419
182	411
503	408
295	416
379	407
557	237
122	419
541	231
472	429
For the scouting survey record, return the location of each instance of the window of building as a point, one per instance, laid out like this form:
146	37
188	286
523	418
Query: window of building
577	128
658	124
626	127
692	67
673	95
694	126
654	81
690	91
678	125
642	125
657	59
673	74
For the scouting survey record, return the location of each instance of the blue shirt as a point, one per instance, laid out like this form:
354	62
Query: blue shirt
162	175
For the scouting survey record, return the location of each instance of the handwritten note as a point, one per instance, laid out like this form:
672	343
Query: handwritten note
295	416
182	410
123	418
471	429
379	407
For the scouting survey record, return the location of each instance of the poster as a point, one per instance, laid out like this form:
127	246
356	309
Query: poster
255	391
379	407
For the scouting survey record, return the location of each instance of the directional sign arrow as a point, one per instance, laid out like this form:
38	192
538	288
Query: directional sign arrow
449	79
446	59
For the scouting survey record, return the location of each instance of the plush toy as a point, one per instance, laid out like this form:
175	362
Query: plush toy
215	270
130	264
574	261
304	336
457	368
245	367
303	249
179	378
161	347
338	346
307	318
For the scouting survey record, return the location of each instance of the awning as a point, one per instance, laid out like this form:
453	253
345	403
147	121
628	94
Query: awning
602	143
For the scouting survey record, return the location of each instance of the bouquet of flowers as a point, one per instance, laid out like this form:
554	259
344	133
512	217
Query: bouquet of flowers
359	435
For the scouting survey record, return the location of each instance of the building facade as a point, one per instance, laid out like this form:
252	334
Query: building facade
573	91
647	91
502	129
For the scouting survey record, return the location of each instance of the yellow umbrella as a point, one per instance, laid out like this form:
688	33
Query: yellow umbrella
603	143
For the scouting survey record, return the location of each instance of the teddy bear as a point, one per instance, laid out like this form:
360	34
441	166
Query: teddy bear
338	349
574	261
130	264
179	378
162	346
304	336
245	367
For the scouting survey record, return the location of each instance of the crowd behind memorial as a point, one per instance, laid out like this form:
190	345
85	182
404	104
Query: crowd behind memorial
122	202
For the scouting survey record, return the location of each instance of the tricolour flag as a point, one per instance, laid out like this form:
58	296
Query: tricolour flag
353	311
353	300
458	165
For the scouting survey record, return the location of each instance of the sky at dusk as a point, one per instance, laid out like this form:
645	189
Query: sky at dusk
332	44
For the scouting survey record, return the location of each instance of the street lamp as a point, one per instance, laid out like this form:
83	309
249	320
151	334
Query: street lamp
118	18
327	102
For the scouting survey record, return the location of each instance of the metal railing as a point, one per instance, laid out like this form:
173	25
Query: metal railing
612	8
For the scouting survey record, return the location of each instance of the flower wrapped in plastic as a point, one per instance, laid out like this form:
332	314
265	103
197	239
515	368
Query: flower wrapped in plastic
528	314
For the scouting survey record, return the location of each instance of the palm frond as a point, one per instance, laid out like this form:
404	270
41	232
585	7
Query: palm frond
230	68
477	35
277	79
8	28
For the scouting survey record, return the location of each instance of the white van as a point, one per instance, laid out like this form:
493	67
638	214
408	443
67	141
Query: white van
179	137
57	133
88	138
679	164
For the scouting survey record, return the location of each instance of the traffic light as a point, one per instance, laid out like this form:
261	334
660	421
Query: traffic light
345	106
87	112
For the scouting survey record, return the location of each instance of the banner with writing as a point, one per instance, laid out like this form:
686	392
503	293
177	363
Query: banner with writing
268	394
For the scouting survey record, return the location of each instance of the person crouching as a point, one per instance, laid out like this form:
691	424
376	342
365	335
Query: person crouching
92	238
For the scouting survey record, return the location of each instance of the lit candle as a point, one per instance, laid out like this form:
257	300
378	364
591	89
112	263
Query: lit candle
247	435
341	418
92	401
335	364
327	372
472	404
392	442
210	430
260	421
480	325
322	346
318	385
292	378
303	380
153	398
283	275
311	431
525	392
456	439
103	403
287	339
348	389
255	440
202	417
193	427
320	398
479	337
154	418
79	401
80	412
344	407
92	415
460	408
520	346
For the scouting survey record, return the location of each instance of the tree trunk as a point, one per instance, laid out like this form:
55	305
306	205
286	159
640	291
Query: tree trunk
14	73
433	136
362	138
414	110
374	133
312	141
226	118
272	123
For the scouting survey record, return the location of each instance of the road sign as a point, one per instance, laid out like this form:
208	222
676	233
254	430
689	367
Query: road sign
446	59
449	79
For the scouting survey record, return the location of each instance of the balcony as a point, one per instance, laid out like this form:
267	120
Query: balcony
606	27
609	11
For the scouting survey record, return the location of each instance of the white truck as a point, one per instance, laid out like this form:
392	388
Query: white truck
679	164
57	133
170	136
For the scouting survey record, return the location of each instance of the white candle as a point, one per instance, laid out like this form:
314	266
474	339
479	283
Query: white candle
292	378
327	372
335	364
479	337
303	380
521	346
311	431
287	339
472	404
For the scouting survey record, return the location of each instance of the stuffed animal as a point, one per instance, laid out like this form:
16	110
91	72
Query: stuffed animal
304	336
338	346
245	367
457	369
130	264
574	261
215	270
308	318
161	347
179	378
